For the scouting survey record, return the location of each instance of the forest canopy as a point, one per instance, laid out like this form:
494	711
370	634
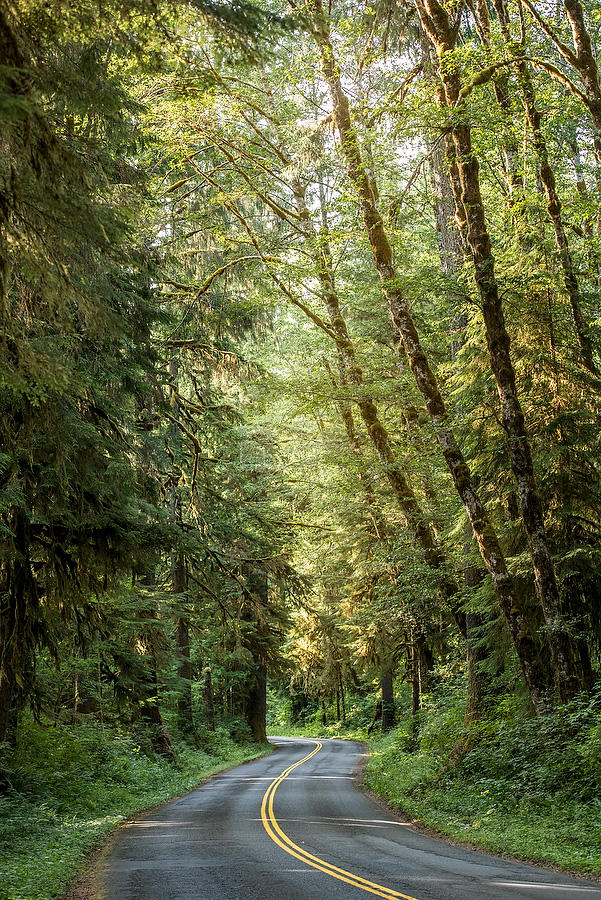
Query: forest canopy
300	366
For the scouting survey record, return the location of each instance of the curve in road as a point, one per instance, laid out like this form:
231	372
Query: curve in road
272	827
229	840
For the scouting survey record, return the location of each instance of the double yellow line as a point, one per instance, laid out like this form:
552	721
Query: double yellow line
271	825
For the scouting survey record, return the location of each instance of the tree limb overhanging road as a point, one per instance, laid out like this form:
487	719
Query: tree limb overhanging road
293	826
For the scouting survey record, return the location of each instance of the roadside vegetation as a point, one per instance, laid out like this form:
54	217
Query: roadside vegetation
510	784
524	788
64	788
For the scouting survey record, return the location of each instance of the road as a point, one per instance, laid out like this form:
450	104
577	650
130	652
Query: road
292	826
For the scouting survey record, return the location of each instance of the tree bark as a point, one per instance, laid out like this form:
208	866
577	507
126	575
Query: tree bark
150	709
207	700
179	584
5	708
256	710
479	687
184	672
413	675
179	575
450	248
436	23
256	700
451	257
536	678
477	680
19	616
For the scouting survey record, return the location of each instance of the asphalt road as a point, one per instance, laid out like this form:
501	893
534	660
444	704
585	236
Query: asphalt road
293	826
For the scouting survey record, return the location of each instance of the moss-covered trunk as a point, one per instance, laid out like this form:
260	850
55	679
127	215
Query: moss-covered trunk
435	21
524	641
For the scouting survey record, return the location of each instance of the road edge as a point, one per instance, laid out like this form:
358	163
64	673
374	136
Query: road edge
399	813
85	884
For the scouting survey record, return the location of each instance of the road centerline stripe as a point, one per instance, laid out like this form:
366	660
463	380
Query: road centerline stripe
279	837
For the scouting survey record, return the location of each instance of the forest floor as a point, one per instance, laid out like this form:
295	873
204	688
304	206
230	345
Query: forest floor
65	789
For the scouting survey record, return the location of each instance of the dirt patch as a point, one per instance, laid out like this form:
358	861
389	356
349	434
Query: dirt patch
87	884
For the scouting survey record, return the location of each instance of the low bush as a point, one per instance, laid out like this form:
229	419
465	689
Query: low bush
63	788
528	787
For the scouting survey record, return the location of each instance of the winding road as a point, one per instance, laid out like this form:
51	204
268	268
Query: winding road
292	826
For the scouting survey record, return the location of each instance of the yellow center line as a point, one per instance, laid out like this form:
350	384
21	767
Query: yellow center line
272	827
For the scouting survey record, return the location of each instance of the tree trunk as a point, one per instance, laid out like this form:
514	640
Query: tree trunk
150	709
435	21
479	691
208	704
450	249
179	575
413	676
536	678
478	680
150	712
19	614
5	708
256	708
179	584
256	699
184	672
388	707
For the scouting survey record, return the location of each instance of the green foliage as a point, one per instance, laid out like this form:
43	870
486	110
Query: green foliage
298	714
528	787
65	787
191	490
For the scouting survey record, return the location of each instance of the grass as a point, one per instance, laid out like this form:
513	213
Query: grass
66	788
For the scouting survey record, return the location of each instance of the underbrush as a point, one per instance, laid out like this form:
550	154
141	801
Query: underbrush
527	787
359	714
65	787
